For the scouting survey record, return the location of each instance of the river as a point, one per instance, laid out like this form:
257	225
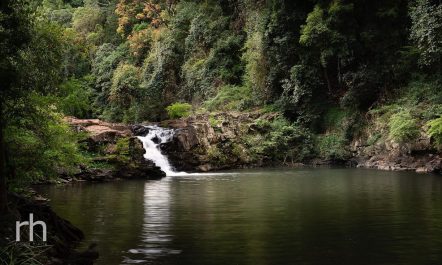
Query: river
261	217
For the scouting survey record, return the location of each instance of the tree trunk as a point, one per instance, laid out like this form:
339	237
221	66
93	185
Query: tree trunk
339	71
3	169
327	79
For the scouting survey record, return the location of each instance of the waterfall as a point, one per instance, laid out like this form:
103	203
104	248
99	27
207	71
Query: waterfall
151	143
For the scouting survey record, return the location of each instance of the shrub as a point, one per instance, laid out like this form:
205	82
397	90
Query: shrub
284	141
122	150
264	124
179	110
230	98
373	138
403	127
76	98
213	121
334	118
435	130
332	146
23	253
216	156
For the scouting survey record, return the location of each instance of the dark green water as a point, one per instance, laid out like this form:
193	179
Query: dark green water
308	216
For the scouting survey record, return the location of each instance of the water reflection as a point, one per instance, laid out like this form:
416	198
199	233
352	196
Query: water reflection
155	234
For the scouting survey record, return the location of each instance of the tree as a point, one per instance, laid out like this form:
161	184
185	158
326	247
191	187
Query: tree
125	83
30	67
14	37
426	31
322	33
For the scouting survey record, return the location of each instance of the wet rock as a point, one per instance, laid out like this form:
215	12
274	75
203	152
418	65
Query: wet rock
139	130
418	155
96	174
421	170
156	140
421	164
138	166
142	170
205	167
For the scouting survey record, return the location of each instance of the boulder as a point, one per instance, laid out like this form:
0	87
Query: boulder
139	130
99	133
142	170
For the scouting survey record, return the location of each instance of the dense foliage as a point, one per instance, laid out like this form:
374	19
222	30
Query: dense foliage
304	57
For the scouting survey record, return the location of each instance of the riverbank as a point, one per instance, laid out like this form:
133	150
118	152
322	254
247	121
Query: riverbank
230	140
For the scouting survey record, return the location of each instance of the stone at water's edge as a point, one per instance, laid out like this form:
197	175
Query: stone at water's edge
419	156
139	167
62	236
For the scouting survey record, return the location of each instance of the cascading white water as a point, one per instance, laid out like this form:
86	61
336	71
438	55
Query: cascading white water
151	143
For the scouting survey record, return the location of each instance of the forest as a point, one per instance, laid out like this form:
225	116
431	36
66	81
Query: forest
331	70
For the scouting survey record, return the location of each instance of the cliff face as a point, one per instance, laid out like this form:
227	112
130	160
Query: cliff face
211	142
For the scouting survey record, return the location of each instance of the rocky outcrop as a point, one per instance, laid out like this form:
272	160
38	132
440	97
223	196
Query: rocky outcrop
98	132
207	142
419	155
422	164
139	130
115	149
